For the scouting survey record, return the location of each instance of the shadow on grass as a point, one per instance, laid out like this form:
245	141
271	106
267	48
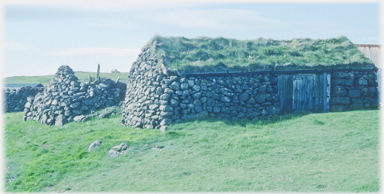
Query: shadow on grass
244	122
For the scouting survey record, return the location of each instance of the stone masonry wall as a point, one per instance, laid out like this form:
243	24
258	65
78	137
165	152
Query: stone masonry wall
156	100
65	98
14	100
354	90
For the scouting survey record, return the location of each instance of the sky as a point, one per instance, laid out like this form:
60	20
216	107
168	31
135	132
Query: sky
39	37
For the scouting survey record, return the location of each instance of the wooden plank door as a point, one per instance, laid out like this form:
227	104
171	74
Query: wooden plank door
303	92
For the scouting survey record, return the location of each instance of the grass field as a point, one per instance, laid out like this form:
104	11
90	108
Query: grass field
332	152
83	77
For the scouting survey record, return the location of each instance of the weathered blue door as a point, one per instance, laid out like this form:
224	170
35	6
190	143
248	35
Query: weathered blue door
304	92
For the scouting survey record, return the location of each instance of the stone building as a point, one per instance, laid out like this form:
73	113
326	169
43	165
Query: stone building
175	79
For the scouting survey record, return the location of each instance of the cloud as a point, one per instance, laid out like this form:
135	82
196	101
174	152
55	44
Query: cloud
108	52
15	46
216	19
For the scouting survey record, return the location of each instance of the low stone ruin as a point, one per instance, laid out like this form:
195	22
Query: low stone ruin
14	100
64	98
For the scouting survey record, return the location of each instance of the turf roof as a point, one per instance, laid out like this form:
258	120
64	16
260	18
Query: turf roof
221	54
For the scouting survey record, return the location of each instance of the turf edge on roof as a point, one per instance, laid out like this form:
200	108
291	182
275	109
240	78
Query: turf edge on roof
215	55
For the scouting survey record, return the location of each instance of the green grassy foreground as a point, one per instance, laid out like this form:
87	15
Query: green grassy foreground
332	152
83	77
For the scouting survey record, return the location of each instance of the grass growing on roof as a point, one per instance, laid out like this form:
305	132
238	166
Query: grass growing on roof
330	152
180	52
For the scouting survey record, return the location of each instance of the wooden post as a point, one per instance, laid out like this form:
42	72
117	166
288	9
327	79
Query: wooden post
98	73
285	88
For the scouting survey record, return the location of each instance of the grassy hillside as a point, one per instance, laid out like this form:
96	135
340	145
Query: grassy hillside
83	76
333	152
180	52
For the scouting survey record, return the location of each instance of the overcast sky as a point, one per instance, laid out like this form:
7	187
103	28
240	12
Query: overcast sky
40	37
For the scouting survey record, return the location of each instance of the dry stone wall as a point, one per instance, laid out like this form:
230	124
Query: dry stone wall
156	100
354	90
14	100
64	98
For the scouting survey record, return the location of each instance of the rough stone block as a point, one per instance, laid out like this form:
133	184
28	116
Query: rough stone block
79	118
234	113
198	109
163	128
196	95
354	93
184	86
260	98
174	102
222	115
159	91
196	88
77	112
30	99
166	108
166	114
153	106
356	106
241	115
373	90
191	83
203	99
338	108
191	106
339	91
225	99
363	81
202	114
94	145
166	122
168	91
60	120
165	97
262	88
216	109
244	96
27	105
340	100
273	110
356	101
